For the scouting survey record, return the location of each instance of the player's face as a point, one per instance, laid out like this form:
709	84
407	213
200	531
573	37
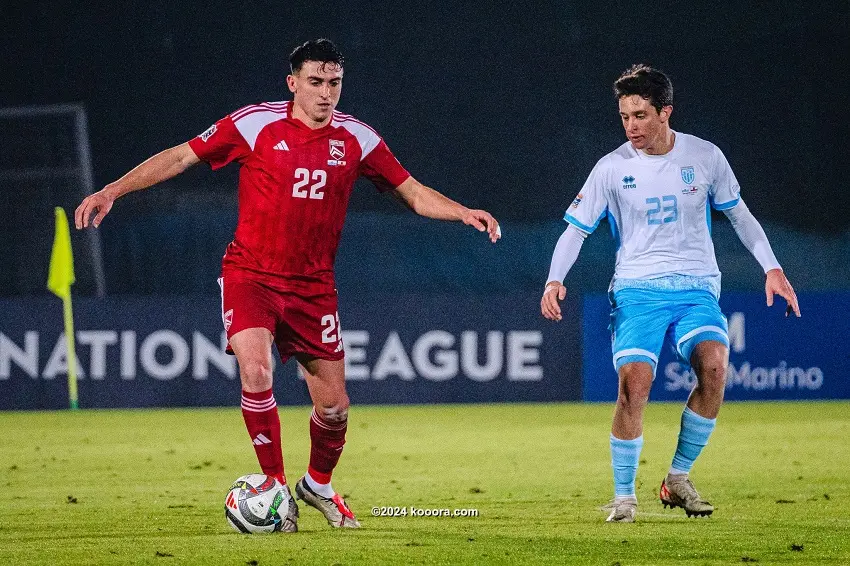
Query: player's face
645	126
316	88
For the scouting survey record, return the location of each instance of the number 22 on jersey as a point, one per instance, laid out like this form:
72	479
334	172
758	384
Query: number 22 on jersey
303	177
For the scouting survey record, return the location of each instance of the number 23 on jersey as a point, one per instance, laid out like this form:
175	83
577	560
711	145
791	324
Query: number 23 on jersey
667	206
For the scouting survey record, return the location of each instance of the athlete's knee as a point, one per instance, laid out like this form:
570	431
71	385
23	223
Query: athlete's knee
710	363
632	396
635	383
334	413
256	374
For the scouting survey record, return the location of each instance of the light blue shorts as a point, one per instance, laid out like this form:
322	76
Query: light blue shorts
642	318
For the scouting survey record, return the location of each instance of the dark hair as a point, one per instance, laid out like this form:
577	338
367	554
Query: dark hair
322	50
648	83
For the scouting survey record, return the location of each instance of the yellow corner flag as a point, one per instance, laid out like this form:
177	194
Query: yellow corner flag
59	281
61	275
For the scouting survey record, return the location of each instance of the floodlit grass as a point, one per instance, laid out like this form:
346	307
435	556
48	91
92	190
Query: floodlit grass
147	487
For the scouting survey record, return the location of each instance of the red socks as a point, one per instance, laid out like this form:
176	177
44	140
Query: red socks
326	445
263	423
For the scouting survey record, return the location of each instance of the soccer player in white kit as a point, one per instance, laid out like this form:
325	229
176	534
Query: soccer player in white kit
657	191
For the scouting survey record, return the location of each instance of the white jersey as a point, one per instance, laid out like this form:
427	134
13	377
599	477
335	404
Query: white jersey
658	209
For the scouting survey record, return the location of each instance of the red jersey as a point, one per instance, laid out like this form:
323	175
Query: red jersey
294	187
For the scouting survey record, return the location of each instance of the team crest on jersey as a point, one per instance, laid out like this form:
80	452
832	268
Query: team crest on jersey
208	134
629	182
227	318
577	200
337	148
688	175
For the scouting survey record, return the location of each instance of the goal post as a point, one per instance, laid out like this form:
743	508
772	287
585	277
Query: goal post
45	161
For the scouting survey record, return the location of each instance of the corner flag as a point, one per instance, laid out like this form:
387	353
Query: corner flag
59	281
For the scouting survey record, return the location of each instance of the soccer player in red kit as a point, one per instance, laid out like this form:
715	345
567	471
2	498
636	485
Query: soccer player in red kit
299	160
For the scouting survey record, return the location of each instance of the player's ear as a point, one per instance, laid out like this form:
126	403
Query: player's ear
290	82
665	113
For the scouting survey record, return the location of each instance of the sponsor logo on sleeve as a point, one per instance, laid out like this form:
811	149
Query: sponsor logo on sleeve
208	134
577	200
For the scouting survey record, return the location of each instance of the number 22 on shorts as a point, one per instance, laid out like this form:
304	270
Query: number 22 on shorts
330	323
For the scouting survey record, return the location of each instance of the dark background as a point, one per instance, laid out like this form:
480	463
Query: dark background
503	106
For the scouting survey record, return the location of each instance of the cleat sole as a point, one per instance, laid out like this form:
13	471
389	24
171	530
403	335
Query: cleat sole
672	505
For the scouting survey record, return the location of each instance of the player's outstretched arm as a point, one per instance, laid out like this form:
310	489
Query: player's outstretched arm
425	201
162	166
565	254
754	239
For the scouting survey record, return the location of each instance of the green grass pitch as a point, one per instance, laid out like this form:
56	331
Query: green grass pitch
147	487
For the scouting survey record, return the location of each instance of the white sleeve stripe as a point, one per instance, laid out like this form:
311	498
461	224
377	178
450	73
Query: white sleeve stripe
251	124
247	110
347	118
267	105
366	136
281	113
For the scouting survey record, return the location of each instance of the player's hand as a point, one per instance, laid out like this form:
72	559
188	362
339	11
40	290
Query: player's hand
483	221
778	284
99	204
552	295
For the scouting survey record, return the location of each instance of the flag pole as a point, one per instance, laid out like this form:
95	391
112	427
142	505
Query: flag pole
72	353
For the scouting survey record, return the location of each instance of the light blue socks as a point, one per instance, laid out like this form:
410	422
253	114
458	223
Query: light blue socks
624	459
693	436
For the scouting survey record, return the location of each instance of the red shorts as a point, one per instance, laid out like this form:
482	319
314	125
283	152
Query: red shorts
300	323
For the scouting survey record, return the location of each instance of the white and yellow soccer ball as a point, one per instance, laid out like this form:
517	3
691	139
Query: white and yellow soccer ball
255	504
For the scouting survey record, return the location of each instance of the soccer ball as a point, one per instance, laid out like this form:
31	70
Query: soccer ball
254	502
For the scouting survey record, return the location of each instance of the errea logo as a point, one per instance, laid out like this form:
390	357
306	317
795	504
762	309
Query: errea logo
629	182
